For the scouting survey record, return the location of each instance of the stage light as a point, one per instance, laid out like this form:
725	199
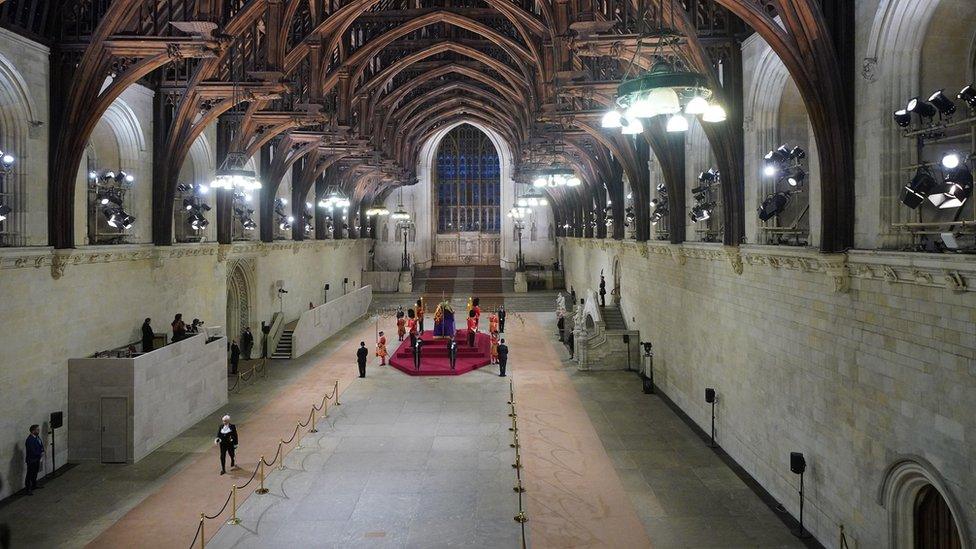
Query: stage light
613	119
188	204
4	211
7	160
797	153
539	182
632	126
770	170
953	192
697	105
903	118
945	105
708	176
921	108
773	205
968	95
797	177
918	189
183	188
677	124
202	189
92	175
951	161
714	113
284	201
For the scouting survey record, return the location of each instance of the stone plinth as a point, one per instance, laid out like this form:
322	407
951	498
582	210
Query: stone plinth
167	391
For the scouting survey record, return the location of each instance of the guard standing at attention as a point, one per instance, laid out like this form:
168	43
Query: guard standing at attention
452	351
416	353
502	358
472	327
361	354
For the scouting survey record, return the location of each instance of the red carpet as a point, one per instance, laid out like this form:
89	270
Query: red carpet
433	357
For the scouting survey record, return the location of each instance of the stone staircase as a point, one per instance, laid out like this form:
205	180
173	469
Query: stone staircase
614	319
283	350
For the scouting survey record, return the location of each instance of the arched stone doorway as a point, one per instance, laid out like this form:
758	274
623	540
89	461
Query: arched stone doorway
922	513
238	299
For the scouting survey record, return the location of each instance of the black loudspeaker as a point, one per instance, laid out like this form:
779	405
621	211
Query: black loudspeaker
709	395
57	419
797	464
327	287
345	281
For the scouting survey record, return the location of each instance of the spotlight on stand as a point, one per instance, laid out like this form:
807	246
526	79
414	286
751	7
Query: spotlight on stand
903	118
710	399
4	211
773	205
968	95
944	105
922	109
953	192
798	465
918	189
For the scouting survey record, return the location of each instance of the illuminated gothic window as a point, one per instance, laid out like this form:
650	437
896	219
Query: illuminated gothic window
468	187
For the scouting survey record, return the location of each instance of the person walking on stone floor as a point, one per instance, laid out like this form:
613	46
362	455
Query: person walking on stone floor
452	352
417	347
472	327
147	336
235	356
33	455
247	342
502	358
381	349
361	355
501	318
227	441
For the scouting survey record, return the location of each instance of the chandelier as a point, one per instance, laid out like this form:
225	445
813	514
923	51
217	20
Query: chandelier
556	177
669	89
233	174
377	209
334	198
531	199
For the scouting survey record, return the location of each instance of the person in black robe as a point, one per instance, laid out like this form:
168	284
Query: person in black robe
147	336
502	358
361	355
247	342
265	329
501	319
452	352
561	324
416	353
227	440
603	291
235	356
179	328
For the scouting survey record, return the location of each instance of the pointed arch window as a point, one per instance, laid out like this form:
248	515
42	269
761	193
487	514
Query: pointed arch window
468	182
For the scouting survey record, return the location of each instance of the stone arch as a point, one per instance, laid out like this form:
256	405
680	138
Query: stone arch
904	479
17	114
240	296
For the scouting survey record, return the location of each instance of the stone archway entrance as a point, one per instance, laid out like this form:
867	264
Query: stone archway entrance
238	300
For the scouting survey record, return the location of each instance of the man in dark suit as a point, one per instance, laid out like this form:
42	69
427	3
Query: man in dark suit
452	352
501	319
235	356
603	291
502	357
147	337
34	453
247	342
361	354
227	440
416	353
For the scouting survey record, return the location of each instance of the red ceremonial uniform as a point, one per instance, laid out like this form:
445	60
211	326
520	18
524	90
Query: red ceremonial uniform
412	326
381	350
401	328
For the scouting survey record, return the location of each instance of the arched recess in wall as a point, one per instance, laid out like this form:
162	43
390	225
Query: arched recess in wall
903	483
424	201
198	168
116	143
240	296
17	111
776	115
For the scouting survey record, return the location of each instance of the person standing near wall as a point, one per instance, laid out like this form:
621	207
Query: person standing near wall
227	441
361	355
235	356
179	328
33	454
247	342
147	336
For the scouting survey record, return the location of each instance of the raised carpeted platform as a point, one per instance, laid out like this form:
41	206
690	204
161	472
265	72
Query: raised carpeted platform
434	360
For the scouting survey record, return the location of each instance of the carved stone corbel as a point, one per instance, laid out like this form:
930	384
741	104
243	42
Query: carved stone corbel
223	250
955	281
59	262
837	270
734	258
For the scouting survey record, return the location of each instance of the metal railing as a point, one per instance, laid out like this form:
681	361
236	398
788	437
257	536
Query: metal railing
520	517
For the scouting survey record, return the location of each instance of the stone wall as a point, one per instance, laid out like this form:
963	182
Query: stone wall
74	303
857	360
318	324
168	390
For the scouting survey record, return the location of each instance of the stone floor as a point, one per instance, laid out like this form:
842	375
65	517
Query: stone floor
424	462
404	462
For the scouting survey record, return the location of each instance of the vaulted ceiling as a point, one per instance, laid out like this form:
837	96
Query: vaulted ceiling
347	91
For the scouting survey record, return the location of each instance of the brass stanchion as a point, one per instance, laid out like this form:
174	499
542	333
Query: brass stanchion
298	433
203	538
325	409
337	392
518	486
261	489
281	456
233	510
313	429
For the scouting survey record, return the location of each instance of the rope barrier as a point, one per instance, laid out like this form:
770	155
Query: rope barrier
519	489
262	462
261	368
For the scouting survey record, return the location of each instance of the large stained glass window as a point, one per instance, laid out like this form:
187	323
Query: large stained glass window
468	187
